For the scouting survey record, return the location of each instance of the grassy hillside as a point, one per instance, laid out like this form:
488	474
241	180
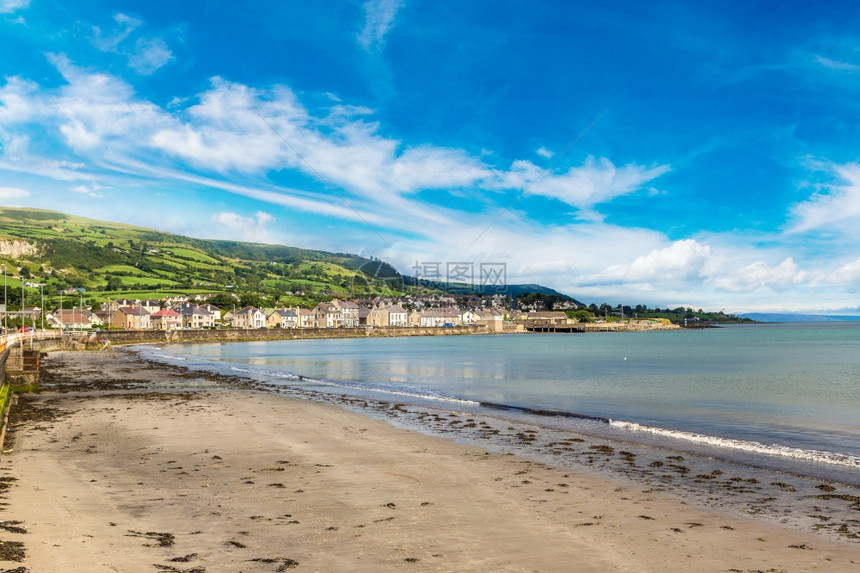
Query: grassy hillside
113	259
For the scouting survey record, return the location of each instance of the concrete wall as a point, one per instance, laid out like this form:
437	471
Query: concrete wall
97	339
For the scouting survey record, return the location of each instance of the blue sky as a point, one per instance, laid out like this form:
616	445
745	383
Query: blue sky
621	152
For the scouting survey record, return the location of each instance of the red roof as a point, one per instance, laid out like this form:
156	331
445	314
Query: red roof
166	312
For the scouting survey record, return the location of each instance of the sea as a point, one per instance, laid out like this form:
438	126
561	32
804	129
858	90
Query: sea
779	396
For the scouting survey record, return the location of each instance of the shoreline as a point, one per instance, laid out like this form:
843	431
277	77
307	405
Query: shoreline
102	338
809	463
775	492
126	424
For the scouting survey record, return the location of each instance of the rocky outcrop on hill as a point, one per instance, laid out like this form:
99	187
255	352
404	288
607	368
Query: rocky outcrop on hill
17	249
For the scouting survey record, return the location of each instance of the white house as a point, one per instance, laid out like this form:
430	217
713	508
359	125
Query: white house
397	316
469	317
328	315
282	318
249	317
307	318
349	311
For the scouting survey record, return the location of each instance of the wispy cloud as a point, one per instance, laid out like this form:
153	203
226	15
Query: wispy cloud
216	139
89	191
597	181
9	6
835	207
13	193
236	127
149	55
145	56
94	107
379	16
836	64
110	41
847	274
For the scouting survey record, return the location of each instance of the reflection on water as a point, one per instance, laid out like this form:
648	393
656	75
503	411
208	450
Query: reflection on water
793	386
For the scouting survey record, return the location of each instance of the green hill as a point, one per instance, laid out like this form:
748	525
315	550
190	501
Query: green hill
111	260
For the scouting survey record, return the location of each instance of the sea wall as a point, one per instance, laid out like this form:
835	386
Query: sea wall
100	339
4	357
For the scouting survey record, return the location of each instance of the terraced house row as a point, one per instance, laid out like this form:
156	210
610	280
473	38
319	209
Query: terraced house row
171	315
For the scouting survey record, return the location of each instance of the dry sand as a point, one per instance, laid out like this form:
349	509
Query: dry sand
106	476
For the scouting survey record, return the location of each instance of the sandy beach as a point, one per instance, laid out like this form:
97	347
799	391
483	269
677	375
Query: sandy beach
119	465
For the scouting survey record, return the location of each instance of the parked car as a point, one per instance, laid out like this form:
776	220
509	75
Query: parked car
26	329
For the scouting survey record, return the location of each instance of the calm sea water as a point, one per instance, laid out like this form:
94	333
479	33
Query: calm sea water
787	391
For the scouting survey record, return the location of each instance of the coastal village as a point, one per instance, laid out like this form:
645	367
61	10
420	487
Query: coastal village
194	313
90	276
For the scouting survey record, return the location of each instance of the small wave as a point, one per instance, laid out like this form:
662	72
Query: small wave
261	372
381	388
168	357
152	352
742	445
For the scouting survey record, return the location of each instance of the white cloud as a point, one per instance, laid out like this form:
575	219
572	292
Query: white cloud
149	55
105	130
379	18
13	193
531	251
759	275
90	191
682	260
146	56
847	274
94	107
596	181
544	152
9	6
250	228
379	176
17	98
237	128
836	208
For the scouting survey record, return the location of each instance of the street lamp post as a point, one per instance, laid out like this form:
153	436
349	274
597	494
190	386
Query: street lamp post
42	310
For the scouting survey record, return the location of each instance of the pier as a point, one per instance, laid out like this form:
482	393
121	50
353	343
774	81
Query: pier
554	325
539	326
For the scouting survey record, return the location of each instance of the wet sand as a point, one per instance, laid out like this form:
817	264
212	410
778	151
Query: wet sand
122	466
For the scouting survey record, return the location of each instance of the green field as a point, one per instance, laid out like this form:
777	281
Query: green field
111	260
102	260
